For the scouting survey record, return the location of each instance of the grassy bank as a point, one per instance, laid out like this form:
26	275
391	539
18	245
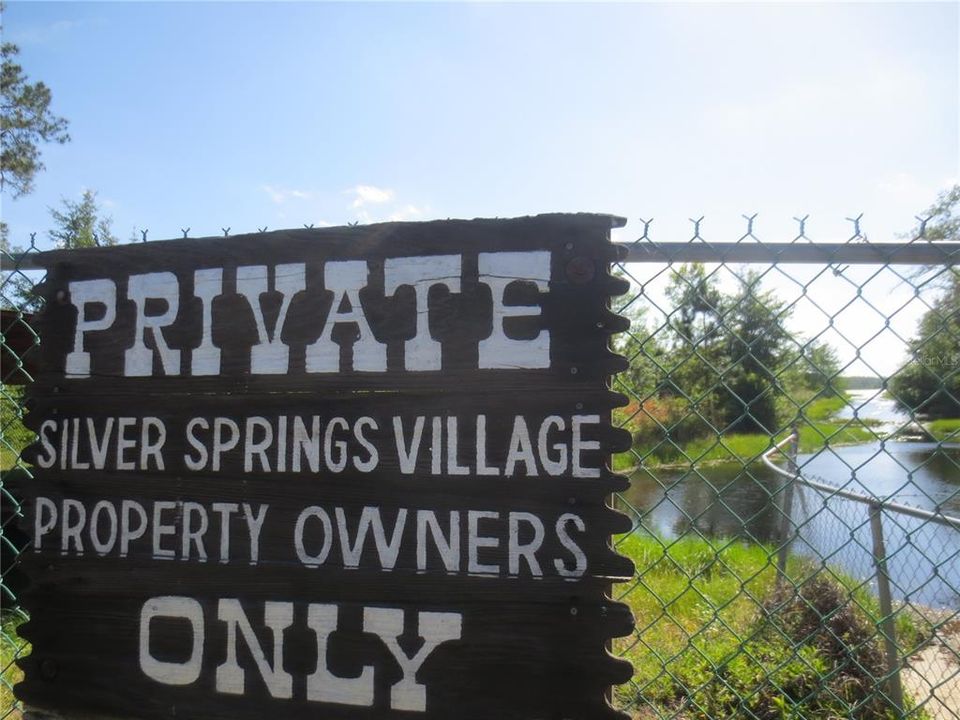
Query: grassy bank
11	647
716	639
818	427
946	430
13	435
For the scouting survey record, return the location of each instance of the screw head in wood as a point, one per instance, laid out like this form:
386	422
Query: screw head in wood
580	270
48	669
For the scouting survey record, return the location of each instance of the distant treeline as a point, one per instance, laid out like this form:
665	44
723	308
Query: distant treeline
861	382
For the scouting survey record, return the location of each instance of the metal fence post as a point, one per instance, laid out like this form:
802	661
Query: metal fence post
887	624
786	527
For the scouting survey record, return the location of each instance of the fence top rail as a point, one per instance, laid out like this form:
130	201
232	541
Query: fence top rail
848	253
889	505
646	251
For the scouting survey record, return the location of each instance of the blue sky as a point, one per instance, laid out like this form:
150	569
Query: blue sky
243	115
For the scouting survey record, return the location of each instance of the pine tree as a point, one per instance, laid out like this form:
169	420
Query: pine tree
25	123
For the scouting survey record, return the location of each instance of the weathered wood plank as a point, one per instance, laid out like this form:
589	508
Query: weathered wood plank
494	286
538	657
367	435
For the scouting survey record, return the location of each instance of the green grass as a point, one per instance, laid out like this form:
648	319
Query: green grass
13	438
818	429
13	435
11	647
945	430
706	646
8	458
824	408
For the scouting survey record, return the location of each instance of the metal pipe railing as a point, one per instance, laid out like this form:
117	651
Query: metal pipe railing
884	504
876	506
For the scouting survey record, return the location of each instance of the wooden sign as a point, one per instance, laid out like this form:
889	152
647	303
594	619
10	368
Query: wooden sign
354	472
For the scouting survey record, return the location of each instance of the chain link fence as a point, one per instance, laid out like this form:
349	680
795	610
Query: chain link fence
758	372
824	581
18	348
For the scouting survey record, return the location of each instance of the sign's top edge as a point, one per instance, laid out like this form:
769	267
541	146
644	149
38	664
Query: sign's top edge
596	221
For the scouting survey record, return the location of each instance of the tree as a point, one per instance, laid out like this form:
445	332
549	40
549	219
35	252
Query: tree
77	224
943	217
644	353
698	304
25	123
929	383
755	351
819	369
80	224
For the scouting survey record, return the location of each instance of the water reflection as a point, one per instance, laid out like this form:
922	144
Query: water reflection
732	501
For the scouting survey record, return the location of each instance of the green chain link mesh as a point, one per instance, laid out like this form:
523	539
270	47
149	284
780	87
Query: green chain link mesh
18	341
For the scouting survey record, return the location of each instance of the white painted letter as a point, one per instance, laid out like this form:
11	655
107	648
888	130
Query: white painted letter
580	560
138	360
408	458
579	445
422	352
225	510
254	526
475	541
201	462
370	517
259	448
40	526
270	356
449	548
220	446
127	531
103	548
207	284
306	558
277	616
191	536
498	271
558	466
521	449
83	293
147	448
345	279
435	628
527	551
46	428
324	686
70	530
172	673
159	529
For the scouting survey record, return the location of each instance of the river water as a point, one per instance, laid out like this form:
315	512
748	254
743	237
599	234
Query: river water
729	500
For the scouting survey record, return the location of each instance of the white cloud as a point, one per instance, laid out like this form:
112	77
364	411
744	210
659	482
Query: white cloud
369	195
407	212
368	204
400	213
281	195
46	34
